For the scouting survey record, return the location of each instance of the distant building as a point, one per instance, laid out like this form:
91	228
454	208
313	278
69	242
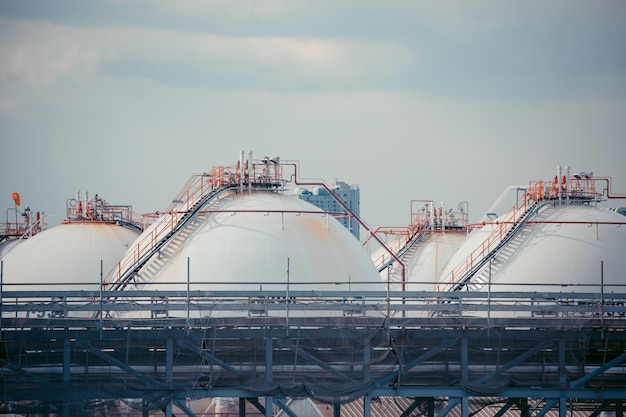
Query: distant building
348	193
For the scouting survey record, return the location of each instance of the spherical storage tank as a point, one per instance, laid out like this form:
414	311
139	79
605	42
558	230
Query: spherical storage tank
567	244
424	247
70	256
430	258
8	245
265	240
423	261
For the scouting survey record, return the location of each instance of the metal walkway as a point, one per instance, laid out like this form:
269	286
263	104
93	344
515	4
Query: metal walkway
62	354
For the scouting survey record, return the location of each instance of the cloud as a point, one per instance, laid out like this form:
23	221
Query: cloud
39	53
454	49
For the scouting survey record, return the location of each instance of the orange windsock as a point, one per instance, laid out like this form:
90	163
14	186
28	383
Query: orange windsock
16	198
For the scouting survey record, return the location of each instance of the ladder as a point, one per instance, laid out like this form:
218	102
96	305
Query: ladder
504	232
197	192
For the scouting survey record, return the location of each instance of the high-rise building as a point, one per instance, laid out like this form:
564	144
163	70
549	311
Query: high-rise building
348	193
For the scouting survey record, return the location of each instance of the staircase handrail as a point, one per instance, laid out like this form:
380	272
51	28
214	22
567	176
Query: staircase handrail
194	189
460	273
400	246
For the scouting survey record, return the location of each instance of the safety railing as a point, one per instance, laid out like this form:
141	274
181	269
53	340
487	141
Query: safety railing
574	188
112	306
196	187
500	230
252	175
25	228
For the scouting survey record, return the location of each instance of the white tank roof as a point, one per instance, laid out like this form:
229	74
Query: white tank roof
252	246
8	245
423	263
68	253
430	258
565	246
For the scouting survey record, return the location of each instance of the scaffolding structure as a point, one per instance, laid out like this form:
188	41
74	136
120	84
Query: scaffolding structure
68	353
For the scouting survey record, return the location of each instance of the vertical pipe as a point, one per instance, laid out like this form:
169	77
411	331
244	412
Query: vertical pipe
443	216
241	169
559	174
250	171
567	183
432	215
188	281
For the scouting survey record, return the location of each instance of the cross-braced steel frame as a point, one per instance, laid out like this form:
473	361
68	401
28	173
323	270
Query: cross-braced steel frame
66	353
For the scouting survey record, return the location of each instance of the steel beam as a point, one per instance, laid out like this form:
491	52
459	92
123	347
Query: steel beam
582	381
300	352
283	405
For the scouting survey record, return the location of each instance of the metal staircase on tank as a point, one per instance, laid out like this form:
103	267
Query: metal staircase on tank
170	231
395	271
516	240
499	242
172	242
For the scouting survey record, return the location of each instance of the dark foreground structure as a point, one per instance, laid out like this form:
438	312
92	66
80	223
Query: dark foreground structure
70	353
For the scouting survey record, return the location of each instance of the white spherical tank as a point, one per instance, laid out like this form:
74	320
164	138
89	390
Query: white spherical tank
267	240
8	245
430	258
424	260
577	246
70	256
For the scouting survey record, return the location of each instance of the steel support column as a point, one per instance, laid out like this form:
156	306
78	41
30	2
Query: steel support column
281	403
269	363
367	359
169	360
416	402
504	409
464	406
242	407
550	402
66	374
269	406
430	407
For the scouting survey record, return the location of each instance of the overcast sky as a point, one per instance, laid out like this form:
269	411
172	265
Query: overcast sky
444	100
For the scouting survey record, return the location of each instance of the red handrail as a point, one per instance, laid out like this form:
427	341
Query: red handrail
493	239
